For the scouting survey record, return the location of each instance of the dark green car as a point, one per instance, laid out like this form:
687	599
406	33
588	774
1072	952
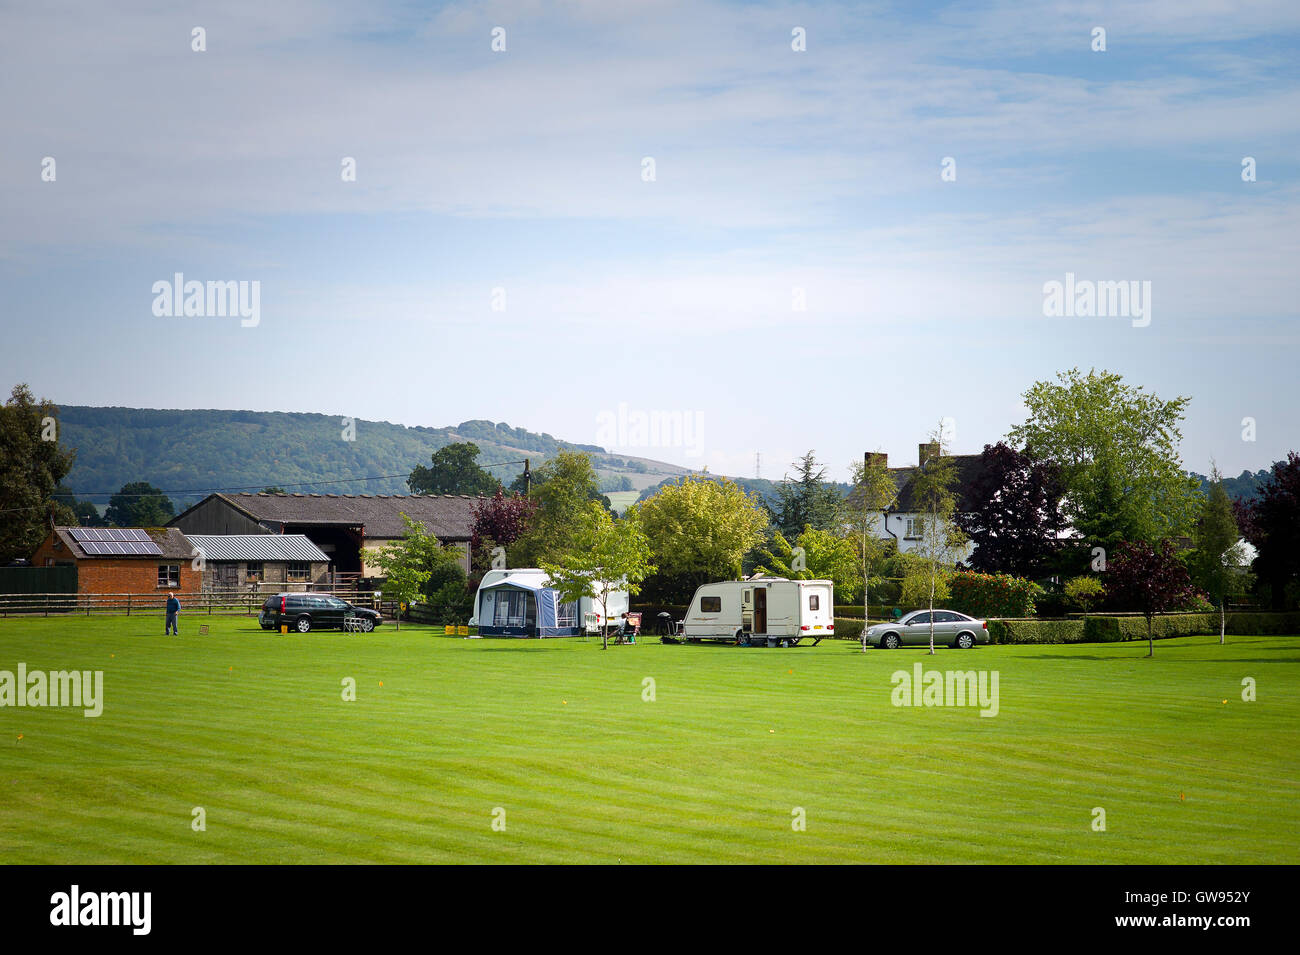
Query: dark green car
307	612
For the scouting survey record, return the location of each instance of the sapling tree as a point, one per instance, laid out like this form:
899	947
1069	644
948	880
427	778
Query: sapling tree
872	493
1217	557
609	555
1148	579
934	496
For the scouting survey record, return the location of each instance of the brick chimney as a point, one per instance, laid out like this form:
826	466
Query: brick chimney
870	458
926	451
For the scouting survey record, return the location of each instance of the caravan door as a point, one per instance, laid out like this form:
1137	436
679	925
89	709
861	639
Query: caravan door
760	610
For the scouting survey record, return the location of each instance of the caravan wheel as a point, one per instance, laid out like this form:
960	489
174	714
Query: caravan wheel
741	639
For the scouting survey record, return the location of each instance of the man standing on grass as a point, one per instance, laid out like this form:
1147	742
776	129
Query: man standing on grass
173	608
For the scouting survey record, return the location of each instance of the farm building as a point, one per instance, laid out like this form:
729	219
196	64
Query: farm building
344	526
121	560
240	561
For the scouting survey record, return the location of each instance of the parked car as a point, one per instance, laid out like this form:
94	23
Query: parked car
950	627
305	612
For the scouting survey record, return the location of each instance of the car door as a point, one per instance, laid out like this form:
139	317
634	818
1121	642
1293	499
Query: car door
917	630
945	625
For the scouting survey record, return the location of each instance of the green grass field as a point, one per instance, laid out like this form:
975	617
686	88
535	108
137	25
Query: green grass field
252	727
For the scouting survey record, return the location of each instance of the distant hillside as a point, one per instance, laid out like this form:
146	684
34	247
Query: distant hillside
187	453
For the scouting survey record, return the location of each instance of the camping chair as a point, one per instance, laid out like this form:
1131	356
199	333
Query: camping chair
590	624
628	634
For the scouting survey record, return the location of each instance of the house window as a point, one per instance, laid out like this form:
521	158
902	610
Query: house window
169	575
814	602
710	605
253	571
297	570
915	528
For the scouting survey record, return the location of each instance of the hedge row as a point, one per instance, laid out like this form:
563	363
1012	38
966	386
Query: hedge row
1099	629
1036	631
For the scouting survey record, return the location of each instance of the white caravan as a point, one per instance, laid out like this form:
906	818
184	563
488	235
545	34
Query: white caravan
520	602
766	610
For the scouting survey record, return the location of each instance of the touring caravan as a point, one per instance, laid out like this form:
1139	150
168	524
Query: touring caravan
771	611
521	603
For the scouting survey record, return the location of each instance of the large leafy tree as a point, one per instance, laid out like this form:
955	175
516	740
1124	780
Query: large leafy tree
611	555
562	489
453	469
1013	512
1116	446
1217	558
1271	523
1148	579
32	463
825	556
700	529
807	499
139	504
934	497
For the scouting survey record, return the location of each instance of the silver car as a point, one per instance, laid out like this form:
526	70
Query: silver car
913	629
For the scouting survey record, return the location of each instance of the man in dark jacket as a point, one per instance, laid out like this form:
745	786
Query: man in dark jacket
173	608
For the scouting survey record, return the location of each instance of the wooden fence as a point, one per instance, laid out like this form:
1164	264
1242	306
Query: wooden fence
233	602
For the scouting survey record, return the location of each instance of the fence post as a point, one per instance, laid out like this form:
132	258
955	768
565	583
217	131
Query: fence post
128	605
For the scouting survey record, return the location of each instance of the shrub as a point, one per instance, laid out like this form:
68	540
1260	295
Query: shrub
1113	629
1084	593
848	628
993	595
1036	631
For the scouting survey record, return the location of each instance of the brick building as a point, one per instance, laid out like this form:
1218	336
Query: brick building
129	560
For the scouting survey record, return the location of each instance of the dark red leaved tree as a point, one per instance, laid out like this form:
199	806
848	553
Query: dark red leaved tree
1148	579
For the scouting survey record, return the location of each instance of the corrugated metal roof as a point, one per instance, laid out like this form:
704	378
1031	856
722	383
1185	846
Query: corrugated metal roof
257	547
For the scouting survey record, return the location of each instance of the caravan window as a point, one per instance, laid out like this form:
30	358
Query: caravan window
814	602
710	605
511	609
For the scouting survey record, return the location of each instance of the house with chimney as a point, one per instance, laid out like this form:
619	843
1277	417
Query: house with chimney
903	521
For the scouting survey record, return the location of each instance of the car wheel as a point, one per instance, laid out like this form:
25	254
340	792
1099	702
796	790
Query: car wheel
964	641
890	641
302	624
367	625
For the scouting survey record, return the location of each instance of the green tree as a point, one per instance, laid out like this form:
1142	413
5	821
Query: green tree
562	488
873	491
807	499
611	555
821	555
1217	558
139	504
941	541
274	489
32	464
410	563
1117	449
453	469
700	528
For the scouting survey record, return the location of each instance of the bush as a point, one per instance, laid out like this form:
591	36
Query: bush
848	628
1084	593
1114	629
1036	631
993	595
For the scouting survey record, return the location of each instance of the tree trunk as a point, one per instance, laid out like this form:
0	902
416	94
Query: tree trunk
1222	619
1151	640
866	595
933	571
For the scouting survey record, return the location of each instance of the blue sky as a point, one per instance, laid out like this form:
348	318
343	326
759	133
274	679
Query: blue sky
775	169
